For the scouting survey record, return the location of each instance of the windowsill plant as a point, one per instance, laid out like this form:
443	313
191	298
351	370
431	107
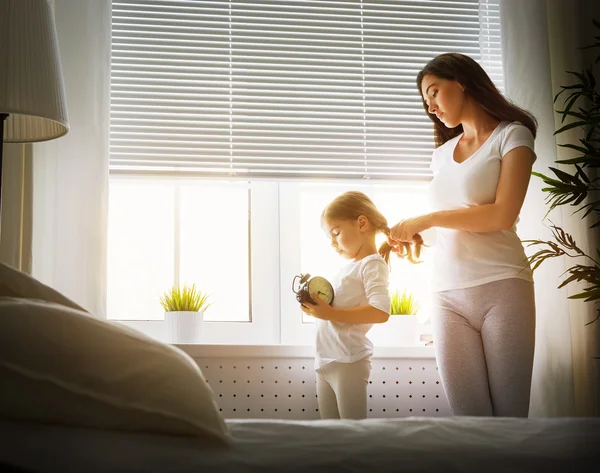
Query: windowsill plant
401	328
184	312
403	304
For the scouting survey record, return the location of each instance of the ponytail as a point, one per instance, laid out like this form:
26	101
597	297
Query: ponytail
406	250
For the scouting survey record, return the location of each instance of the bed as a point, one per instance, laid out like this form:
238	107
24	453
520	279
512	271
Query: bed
375	445
80	394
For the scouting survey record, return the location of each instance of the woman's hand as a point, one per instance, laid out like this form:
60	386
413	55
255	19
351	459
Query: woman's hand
406	229
320	311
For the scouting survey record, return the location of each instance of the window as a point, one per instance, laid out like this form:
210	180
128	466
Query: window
163	232
242	243
234	122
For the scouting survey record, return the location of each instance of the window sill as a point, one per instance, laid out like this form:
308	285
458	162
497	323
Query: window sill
292	351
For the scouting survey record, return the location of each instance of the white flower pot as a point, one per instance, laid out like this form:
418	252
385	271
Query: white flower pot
404	329
184	326
399	330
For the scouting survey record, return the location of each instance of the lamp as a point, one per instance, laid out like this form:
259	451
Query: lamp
32	95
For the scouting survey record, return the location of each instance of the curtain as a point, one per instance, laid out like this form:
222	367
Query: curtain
17	206
539	43
70	174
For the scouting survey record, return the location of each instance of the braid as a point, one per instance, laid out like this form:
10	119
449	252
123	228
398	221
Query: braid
385	249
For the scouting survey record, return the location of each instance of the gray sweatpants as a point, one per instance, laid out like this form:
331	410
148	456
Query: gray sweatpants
484	340
342	389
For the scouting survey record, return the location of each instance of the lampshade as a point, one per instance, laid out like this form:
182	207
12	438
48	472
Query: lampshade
31	84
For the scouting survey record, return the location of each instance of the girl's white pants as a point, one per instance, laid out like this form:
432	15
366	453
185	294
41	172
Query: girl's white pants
342	389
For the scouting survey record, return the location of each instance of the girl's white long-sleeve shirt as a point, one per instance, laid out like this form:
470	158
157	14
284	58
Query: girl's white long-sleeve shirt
364	282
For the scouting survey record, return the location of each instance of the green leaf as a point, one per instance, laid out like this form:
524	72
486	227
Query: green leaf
186	298
570	113
569	103
587	296
403	304
581	149
538	174
579	160
590	209
570	126
567	281
579	75
563	176
582	174
580	199
570	87
567	200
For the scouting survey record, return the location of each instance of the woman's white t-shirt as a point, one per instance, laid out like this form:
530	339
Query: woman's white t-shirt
359	283
466	259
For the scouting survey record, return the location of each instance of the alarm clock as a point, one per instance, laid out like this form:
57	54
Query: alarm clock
308	285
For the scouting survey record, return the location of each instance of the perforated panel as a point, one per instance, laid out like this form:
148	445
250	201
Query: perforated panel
285	388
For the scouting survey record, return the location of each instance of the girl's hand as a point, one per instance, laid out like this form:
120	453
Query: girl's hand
320	311
405	230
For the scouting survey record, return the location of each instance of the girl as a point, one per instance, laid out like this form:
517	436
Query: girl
343	351
484	322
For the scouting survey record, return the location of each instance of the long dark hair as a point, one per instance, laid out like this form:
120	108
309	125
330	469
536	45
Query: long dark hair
468	73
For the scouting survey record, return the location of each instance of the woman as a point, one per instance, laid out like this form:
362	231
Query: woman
484	310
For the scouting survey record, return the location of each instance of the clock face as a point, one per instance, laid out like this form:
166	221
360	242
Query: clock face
322	288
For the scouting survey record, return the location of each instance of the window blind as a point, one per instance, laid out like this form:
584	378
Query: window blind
278	89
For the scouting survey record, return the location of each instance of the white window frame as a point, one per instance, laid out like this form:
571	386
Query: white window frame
293	330
264	327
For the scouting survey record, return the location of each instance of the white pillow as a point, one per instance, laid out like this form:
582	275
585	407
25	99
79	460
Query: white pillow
15	283
61	365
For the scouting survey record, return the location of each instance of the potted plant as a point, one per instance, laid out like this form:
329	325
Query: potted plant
577	188
403	310
401	327
184	312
